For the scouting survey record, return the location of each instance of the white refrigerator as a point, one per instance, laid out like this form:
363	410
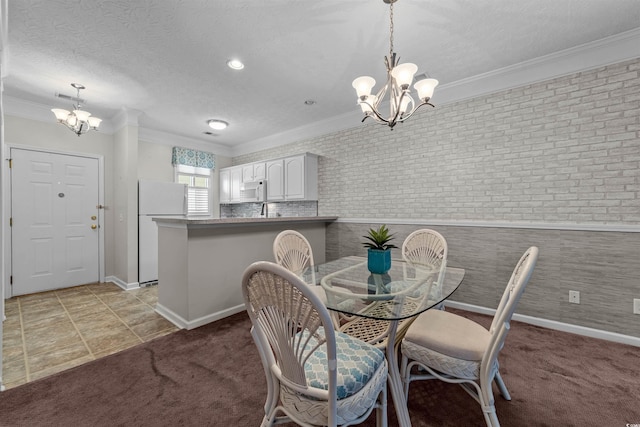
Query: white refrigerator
155	199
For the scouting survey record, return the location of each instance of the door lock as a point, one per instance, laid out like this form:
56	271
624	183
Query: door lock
93	226
93	217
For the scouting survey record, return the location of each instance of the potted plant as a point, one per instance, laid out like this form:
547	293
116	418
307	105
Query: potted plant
379	249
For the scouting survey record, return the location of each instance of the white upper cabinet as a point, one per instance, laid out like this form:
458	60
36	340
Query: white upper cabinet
290	178
253	172
225	186
301	177
236	183
275	180
259	171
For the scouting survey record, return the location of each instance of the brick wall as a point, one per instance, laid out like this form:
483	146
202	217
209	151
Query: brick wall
559	157
562	151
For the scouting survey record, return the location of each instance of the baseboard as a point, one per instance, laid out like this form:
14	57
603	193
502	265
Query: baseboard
552	324
124	285
182	323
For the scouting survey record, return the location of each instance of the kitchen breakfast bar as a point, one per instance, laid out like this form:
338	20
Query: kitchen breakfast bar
201	261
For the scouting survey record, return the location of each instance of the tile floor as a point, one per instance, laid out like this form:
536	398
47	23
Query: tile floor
52	331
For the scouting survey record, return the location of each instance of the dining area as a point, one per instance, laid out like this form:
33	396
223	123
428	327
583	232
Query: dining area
343	338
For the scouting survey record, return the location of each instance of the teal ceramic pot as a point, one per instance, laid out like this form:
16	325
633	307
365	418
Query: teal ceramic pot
378	261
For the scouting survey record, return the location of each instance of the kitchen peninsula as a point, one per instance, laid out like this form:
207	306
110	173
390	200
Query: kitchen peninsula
201	261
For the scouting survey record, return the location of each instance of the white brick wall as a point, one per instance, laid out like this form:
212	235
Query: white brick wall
565	150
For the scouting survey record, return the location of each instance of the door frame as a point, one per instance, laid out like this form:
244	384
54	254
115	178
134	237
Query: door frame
6	202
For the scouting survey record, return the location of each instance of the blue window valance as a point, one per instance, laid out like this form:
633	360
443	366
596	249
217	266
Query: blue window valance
189	157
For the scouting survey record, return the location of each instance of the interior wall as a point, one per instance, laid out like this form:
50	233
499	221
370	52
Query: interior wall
51	136
554	164
154	162
126	159
120	208
602	266
559	151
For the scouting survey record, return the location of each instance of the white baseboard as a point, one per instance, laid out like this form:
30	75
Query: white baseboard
124	285
182	323
552	324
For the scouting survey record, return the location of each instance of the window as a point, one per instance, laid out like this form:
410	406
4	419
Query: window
198	182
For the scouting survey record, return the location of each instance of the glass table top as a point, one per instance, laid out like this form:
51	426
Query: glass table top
403	292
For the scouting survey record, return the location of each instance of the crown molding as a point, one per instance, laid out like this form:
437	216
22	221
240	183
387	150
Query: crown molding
610	50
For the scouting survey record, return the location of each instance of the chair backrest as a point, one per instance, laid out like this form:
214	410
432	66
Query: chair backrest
428	248
293	251
291	323
511	296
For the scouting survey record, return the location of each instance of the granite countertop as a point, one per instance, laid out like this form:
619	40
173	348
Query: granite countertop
242	221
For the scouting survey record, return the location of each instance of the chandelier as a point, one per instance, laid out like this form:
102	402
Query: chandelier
399	78
78	121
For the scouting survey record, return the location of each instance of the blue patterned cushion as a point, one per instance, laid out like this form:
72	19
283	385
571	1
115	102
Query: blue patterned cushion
357	363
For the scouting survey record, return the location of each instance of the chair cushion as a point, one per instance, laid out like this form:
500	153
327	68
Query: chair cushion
449	334
357	364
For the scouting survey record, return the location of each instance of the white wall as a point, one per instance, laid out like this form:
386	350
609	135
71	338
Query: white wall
154	162
52	136
126	159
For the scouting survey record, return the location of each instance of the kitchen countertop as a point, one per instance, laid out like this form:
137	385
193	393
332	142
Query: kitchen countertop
242	221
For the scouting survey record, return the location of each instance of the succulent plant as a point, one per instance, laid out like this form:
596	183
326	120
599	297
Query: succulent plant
379	239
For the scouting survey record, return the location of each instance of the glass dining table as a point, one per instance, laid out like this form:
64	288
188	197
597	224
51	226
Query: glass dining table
379	308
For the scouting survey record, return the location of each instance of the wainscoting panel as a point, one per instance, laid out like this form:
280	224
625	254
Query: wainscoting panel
601	265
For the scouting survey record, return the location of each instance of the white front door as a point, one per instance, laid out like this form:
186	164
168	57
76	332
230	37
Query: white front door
54	214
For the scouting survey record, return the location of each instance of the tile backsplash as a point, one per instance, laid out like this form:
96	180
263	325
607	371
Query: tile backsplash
274	209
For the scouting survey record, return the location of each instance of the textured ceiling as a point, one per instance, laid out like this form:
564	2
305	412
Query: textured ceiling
167	58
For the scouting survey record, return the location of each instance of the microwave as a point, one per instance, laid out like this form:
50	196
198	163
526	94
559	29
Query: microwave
255	191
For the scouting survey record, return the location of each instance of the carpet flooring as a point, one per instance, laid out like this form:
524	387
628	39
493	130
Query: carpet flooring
212	376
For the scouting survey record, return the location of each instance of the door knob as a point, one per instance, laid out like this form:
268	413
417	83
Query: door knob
93	226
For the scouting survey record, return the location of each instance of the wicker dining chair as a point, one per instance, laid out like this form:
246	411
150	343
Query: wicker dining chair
293	251
427	248
457	350
317	376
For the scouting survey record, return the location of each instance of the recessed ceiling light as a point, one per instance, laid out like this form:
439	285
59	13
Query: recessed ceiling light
235	64
217	124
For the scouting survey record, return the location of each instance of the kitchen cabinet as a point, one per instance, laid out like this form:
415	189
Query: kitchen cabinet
301	177
253	172
290	178
235	177
225	186
275	180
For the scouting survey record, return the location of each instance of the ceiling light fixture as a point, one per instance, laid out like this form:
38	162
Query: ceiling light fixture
235	64
399	78
217	124
78	120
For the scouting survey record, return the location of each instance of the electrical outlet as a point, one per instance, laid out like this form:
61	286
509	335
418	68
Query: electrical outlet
636	306
574	297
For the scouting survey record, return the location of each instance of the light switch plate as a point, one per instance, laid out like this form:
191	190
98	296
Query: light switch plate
636	306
